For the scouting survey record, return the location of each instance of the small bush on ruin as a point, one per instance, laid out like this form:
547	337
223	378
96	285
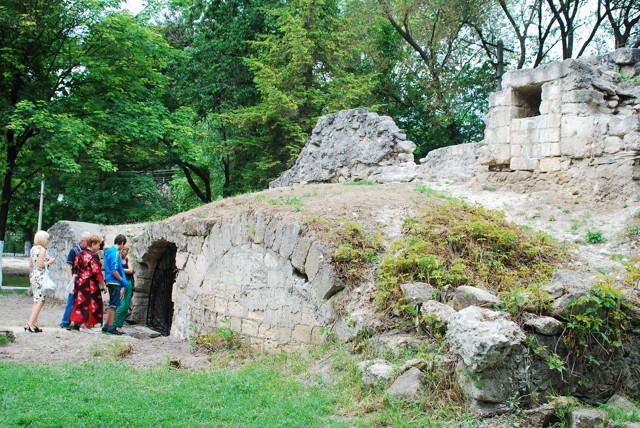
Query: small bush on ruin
221	339
355	250
595	237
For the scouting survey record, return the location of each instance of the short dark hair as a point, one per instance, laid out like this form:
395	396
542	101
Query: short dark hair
120	239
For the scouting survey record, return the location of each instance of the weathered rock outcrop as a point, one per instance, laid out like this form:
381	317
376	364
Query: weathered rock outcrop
353	145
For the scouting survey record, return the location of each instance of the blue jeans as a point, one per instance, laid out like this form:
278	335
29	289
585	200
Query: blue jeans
66	316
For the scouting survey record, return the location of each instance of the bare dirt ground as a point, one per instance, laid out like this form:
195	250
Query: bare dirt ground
57	345
567	219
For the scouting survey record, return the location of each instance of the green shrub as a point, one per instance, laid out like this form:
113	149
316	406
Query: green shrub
355	250
595	237
597	322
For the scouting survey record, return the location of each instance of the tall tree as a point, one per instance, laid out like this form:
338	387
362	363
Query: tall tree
437	61
213	78
77	77
624	18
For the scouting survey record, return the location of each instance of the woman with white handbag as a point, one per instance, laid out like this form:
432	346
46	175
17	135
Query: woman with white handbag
39	278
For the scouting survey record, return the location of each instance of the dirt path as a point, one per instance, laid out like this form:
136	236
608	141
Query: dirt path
57	345
565	219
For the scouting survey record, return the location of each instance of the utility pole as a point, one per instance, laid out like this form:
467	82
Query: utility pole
41	203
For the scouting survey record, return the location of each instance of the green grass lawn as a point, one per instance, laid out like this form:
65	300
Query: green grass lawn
15	280
112	395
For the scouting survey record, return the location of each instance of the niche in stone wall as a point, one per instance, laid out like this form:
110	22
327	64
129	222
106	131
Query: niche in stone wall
528	99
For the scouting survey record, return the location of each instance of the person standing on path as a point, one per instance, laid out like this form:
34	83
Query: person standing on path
88	308
65	322
116	280
38	262
123	309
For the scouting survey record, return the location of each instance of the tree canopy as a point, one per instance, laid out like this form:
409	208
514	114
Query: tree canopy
221	95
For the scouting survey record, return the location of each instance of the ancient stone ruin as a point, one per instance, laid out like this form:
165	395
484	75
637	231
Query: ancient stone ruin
253	264
572	125
353	145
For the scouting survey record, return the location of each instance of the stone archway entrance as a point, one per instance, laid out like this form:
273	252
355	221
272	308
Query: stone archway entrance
160	305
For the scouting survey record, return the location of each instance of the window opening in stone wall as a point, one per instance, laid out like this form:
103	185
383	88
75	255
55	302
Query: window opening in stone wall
160	308
528	99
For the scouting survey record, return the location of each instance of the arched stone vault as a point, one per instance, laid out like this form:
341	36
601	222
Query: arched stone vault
253	272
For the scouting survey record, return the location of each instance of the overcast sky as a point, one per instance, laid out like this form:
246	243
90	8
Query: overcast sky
134	6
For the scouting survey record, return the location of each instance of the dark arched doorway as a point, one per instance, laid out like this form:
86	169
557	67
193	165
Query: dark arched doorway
160	308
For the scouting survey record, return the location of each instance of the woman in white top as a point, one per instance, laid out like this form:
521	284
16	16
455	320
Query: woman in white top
38	262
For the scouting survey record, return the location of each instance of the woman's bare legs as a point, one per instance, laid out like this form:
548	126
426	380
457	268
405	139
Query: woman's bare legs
35	311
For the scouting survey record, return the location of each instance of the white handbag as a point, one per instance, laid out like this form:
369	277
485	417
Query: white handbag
48	283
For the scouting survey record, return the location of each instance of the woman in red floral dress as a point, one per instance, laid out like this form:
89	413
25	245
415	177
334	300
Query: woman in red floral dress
88	308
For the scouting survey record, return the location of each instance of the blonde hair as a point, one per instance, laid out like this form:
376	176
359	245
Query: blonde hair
125	248
41	238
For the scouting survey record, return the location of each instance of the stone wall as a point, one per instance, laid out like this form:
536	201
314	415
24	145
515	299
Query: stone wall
574	124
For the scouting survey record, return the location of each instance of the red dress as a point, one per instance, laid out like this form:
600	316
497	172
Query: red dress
88	308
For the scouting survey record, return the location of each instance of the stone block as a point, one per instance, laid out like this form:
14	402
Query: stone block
250	328
588	418
577	126
235	309
301	333
549	150
523	164
270	231
235	324
237	232
504	98
550	164
551	91
258	228
612	144
632	142
518	149
586	96
220	305
266	331
575	147
283	333
498	154
539	75
574	110
497	135
326	283
625	56
316	256
549	135
621	126
299	255
277	236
